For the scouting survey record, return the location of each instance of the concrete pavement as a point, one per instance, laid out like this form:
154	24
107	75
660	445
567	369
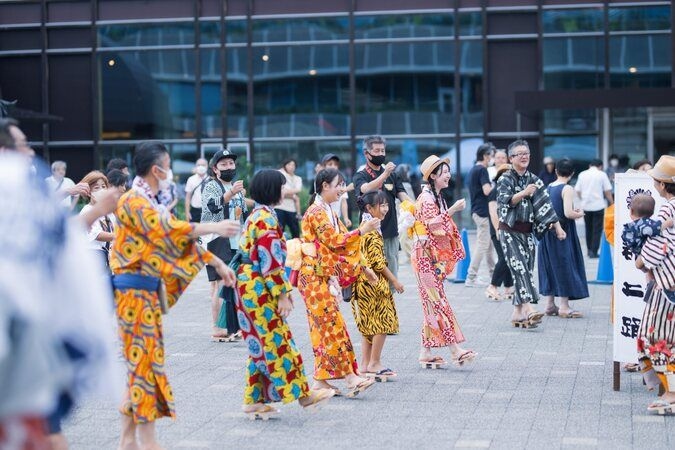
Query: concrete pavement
549	387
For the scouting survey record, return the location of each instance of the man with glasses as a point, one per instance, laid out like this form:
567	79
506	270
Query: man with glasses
377	175
480	187
524	210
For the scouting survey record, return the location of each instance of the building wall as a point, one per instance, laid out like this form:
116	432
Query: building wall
305	78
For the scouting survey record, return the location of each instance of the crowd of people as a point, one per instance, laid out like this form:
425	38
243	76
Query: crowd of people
236	228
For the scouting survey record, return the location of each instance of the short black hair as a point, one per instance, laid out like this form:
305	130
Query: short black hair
596	162
484	149
148	154
641	163
288	160
372	198
6	139
564	167
117	178
265	186
116	163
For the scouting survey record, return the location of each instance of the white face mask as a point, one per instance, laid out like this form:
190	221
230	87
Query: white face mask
201	170
96	196
166	182
614	162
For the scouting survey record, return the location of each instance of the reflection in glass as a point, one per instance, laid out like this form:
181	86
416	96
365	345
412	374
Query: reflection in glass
211	101
639	18
471	87
629	132
306	29
147	95
640	60
572	20
573	63
235	32
580	149
570	121
470	23
404	26
306	153
405	88
301	91
141	35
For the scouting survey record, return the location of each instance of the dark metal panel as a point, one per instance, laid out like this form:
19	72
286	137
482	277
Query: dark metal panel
222	53
95	87
300	6
526	101
24	12
249	82
198	74
45	78
148	9
392	5
352	83
68	11
511	22
513	69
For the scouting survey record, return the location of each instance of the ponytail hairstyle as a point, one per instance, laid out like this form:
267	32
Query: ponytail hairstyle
371	199
324	176
440	201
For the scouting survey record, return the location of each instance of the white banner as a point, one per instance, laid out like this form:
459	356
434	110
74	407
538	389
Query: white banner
629	282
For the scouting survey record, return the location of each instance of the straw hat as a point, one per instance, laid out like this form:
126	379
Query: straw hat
430	164
664	169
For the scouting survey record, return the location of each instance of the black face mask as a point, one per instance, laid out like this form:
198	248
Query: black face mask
376	160
228	175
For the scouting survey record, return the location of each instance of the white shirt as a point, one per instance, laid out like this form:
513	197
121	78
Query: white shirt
337	205
61	186
592	184
292	182
96	229
192	186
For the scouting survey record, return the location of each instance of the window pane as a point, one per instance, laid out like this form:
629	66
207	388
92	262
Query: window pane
639	18
70	97
301	91
572	20
235	32
570	120
471	87
306	153
404	25
211	104
640	61
405	88
20	39
573	63
470	23
21	80
140	35
629	133
147	95
580	149
305	29
69	37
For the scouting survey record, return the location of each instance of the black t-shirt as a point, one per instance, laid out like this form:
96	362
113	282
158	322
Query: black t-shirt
478	176
392	186
492	198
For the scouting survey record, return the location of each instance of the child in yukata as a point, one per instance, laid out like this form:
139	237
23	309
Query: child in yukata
635	233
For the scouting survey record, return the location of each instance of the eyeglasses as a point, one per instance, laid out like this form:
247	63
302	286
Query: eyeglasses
520	155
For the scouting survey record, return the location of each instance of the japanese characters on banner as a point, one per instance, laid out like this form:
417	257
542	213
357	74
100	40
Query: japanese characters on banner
629	282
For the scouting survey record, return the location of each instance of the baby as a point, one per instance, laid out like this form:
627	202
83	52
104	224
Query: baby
635	233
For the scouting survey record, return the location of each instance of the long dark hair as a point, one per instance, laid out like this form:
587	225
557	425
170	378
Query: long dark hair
324	176
440	201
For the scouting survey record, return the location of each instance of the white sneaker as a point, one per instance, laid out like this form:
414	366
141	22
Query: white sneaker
476	282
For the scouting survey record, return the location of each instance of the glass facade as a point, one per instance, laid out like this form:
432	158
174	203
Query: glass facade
302	85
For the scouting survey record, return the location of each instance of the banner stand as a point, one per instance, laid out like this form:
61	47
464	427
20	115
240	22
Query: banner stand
617	376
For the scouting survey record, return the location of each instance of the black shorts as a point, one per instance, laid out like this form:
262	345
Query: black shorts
220	247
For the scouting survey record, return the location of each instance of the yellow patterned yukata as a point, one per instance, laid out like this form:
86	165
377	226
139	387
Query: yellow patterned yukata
149	241
338	255
274	371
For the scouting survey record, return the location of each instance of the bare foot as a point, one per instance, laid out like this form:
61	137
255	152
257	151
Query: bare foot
129	446
152	446
322	384
254	407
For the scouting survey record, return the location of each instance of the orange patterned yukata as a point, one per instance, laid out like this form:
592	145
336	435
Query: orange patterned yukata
151	242
338	255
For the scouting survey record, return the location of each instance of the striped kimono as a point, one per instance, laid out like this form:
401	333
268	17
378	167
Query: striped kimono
656	337
519	247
